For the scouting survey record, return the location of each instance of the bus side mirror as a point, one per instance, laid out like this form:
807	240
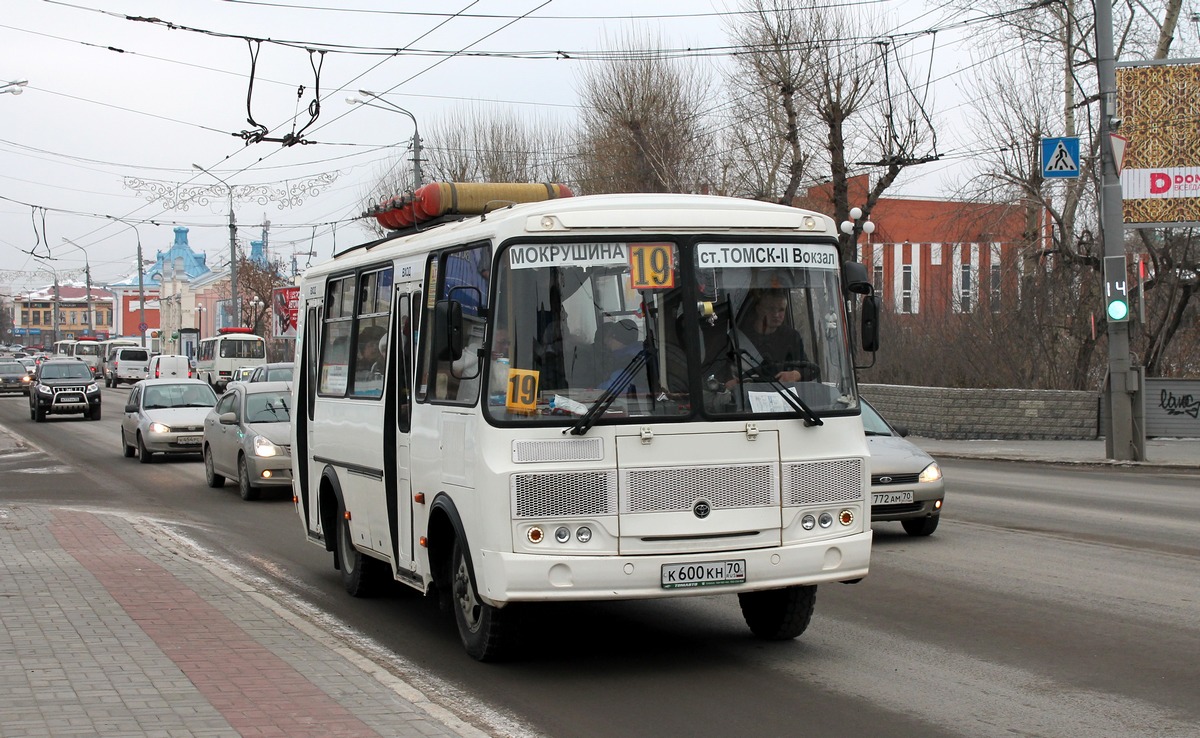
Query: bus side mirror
870	323
447	330
855	276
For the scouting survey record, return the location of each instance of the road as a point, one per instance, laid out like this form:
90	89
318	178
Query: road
1051	601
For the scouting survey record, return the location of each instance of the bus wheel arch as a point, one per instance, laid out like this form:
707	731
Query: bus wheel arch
487	632
329	496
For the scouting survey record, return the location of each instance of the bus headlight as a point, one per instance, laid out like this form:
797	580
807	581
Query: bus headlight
808	522
584	534
263	447
825	520
562	534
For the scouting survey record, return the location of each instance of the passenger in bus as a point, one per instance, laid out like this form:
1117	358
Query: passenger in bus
771	344
618	344
370	362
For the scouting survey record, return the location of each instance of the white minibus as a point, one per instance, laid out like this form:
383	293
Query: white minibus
218	356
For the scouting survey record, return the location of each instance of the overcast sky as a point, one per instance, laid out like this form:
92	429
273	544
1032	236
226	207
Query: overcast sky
112	102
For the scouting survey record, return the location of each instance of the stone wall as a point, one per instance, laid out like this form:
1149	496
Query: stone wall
1010	414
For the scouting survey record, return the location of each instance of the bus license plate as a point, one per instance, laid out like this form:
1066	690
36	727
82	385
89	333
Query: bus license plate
189	440
703	574
892	498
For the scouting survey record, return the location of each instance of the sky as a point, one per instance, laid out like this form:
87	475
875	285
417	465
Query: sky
125	96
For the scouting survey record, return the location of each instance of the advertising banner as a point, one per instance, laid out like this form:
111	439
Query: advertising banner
284	304
1159	107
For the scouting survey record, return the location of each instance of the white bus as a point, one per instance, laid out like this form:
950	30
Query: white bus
569	406
63	348
218	356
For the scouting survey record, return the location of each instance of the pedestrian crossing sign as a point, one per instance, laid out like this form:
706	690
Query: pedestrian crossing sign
1060	157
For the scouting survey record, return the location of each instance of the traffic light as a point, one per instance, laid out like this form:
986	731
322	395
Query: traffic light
1116	289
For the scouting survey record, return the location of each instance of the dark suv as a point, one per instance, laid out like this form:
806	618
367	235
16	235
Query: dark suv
64	387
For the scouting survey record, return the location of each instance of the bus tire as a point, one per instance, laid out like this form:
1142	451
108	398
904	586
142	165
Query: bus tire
486	631
360	573
211	478
778	614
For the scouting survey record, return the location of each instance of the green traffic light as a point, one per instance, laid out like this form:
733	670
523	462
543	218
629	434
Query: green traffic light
1118	310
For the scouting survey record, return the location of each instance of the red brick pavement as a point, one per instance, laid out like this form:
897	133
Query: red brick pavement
256	691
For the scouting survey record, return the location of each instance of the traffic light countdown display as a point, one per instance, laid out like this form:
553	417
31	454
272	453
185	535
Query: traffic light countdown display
1116	289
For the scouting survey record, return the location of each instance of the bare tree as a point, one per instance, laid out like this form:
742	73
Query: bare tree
642	126
822	77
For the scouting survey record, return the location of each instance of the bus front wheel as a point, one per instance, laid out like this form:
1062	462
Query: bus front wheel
778	614
486	631
360	572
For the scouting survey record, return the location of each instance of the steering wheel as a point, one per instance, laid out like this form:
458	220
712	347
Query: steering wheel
809	371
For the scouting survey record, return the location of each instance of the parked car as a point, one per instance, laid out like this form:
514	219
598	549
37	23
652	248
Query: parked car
126	364
247	436
165	416
170	366
64	387
906	482
280	371
14	377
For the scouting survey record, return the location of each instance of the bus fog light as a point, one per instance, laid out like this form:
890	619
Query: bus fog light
584	534
825	520
535	535
808	522
562	534
846	517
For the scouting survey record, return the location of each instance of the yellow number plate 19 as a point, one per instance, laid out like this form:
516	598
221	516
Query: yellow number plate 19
522	393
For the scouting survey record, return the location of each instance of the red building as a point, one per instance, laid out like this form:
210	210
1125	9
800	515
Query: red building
940	257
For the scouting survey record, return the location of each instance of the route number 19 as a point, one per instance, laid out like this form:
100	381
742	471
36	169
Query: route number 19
652	266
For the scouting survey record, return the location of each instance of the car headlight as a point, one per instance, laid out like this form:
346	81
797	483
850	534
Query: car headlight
931	473
26	379
92	388
157	427
263	447
43	389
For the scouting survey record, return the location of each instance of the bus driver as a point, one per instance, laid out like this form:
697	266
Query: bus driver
778	348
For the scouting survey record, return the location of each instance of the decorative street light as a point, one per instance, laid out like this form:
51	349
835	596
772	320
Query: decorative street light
255	304
199	311
13	88
233	290
416	139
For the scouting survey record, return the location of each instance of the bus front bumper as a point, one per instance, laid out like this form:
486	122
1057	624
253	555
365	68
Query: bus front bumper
504	577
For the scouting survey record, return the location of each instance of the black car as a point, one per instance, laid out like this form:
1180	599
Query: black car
12	376
64	387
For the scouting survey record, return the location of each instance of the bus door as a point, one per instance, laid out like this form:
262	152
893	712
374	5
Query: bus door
398	416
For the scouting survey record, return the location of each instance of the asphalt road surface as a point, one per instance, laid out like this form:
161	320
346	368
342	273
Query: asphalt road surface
1051	601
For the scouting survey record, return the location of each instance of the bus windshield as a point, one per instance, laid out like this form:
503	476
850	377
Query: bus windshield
87	348
614	331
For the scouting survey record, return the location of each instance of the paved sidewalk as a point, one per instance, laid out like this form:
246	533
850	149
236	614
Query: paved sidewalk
109	632
1173	453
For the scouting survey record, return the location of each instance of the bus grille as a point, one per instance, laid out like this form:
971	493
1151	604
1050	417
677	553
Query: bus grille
567	449
568	493
672	490
823	482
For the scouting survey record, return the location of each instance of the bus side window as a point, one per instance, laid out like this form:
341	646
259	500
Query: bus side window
374	308
334	368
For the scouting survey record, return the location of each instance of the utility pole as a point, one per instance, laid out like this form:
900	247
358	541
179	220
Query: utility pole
1123	441
233	267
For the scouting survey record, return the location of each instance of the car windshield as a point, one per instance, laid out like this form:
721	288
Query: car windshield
178	395
73	370
268	407
12	367
873	423
612	331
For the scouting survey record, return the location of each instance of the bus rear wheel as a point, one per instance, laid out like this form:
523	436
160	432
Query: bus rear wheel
779	614
486	631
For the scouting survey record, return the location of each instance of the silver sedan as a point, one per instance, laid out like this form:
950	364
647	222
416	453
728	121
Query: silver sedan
165	416
906	483
247	436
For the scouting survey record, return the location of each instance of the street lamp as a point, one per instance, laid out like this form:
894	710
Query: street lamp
87	270
233	290
54	313
13	88
255	304
416	139
200	310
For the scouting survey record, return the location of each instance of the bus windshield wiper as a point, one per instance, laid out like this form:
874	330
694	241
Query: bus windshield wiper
791	398
615	387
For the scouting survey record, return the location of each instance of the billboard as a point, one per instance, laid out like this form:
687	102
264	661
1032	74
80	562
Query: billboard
284	303
1159	107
